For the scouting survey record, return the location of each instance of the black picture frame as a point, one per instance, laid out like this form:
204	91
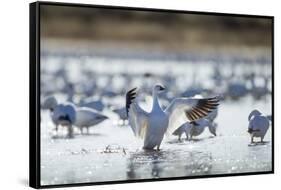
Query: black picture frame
34	92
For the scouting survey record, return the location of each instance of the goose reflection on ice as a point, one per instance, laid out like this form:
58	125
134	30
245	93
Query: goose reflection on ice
145	164
169	163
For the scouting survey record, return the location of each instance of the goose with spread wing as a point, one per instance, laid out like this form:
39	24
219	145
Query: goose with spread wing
151	126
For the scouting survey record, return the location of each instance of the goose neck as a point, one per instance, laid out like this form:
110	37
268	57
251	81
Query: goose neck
155	100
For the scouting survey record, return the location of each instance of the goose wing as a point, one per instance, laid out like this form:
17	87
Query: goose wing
138	118
64	110
86	117
192	109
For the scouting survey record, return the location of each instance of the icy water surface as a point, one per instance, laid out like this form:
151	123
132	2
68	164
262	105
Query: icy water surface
112	153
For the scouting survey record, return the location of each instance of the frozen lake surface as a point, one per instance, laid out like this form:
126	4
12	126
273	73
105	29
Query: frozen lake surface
112	152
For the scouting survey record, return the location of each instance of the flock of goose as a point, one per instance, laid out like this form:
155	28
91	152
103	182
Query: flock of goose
173	112
182	115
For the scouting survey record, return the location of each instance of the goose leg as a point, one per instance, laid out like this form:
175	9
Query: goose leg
186	134
70	131
179	137
252	139
158	148
56	129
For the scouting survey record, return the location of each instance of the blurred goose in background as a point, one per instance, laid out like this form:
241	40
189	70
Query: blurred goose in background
235	85
259	91
258	125
236	90
217	75
67	114
194	89
70	91
151	126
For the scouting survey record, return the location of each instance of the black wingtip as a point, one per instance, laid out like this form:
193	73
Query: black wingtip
203	108
130	96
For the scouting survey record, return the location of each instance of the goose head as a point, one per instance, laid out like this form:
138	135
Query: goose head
213	128
158	88
65	114
50	103
253	114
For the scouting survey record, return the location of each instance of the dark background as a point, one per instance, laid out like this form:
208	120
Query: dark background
159	29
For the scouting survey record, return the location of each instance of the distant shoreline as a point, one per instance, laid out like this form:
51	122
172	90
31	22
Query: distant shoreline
136	50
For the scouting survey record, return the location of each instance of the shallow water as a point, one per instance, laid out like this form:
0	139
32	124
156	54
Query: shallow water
112	153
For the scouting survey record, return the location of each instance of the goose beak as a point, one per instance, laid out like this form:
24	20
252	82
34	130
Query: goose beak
162	88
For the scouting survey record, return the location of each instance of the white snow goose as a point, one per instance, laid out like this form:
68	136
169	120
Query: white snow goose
67	114
258	125
195	128
151	126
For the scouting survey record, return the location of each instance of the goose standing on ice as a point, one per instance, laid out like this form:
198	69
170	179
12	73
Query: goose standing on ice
87	117
258	125
195	128
67	114
151	126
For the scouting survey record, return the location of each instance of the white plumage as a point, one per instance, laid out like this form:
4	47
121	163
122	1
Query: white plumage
151	126
67	114
258	125
195	128
87	117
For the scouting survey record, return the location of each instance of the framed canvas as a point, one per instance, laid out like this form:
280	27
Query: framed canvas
125	94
